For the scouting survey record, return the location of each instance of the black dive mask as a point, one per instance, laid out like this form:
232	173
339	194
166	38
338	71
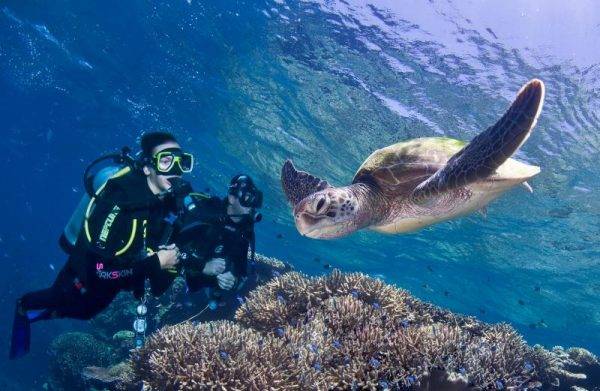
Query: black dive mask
172	161
243	189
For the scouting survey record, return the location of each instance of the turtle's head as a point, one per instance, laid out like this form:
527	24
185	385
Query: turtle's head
328	214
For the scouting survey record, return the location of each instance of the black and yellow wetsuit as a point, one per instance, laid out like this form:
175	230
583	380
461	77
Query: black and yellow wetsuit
218	237
124	223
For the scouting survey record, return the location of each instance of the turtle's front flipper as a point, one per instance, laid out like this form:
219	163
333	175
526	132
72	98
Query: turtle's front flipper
297	185
488	150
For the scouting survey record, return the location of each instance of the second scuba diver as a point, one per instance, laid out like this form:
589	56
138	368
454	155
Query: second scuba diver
219	261
121	243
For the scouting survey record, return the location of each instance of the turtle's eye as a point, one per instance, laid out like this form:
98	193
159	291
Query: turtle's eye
320	204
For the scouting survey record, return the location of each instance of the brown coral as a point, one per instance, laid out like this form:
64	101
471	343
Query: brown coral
219	355
342	331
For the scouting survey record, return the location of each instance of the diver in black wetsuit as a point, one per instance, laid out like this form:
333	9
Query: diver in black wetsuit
119	246
226	229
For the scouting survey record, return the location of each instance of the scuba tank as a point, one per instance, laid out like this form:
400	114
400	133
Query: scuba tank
94	178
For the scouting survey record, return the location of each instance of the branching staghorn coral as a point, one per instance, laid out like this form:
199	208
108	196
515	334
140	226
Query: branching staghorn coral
219	355
339	332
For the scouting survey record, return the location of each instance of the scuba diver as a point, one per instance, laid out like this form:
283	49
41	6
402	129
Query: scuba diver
219	261
119	240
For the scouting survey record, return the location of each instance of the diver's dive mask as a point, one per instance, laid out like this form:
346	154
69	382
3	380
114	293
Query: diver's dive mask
243	189
172	161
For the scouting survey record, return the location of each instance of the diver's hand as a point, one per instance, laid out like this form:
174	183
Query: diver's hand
214	267
226	281
168	256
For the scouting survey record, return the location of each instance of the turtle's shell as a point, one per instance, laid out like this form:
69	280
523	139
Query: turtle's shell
400	167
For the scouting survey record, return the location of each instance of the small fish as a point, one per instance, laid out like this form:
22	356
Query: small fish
275	273
224	355
462	370
240	299
430	268
327	266
313	348
317	366
412	379
384	385
280	299
499	385
51	266
280	331
374	362
354	294
537	288
446	293
482	310
279	236
336	344
74	190
404	323
317	259
376	305
528	366
521	302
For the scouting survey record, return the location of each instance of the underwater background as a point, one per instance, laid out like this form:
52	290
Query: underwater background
246	84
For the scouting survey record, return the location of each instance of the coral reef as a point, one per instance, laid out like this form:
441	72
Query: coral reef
70	353
571	369
345	331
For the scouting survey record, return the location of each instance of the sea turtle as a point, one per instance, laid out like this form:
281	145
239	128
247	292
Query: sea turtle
416	183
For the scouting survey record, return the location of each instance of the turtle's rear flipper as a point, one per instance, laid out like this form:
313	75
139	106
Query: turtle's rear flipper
297	185
488	150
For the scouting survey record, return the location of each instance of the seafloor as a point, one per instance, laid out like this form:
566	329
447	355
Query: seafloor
287	331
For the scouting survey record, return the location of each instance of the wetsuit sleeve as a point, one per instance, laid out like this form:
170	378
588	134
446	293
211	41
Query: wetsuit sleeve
238	254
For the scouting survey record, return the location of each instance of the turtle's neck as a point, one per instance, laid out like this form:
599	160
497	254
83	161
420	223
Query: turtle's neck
370	210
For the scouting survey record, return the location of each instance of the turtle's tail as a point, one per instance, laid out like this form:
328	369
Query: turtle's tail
488	150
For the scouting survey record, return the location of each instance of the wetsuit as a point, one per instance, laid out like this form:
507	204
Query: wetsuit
114	251
216	236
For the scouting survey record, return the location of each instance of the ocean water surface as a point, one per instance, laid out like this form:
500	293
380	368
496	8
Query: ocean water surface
246	84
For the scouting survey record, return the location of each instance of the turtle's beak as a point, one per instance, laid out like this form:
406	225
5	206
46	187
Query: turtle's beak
314	218
306	220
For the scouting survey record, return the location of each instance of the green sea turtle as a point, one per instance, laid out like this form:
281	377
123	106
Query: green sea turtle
416	183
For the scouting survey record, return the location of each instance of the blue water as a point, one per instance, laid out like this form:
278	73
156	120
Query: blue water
245	85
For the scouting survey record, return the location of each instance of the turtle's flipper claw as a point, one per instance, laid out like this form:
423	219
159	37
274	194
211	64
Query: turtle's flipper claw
297	185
